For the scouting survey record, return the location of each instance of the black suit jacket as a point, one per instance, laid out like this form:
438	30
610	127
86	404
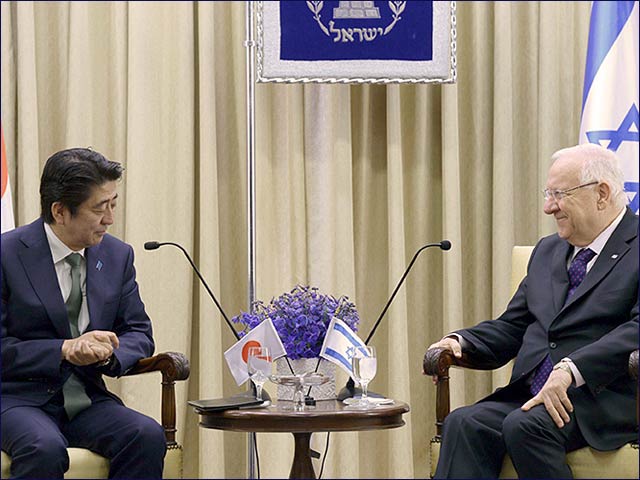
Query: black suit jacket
597	329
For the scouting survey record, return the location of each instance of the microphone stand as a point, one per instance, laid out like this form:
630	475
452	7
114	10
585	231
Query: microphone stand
155	245
350	390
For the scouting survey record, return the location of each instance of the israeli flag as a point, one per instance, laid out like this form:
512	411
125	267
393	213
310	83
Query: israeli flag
339	341
610	96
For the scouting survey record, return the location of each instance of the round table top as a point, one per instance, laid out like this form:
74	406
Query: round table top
325	416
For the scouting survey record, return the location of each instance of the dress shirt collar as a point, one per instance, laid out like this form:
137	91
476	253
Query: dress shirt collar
600	241
59	251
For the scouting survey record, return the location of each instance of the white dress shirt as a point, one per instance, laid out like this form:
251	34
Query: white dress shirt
59	251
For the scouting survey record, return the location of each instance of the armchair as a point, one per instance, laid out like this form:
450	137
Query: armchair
585	462
86	464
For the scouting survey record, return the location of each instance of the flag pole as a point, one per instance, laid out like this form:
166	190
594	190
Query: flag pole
251	190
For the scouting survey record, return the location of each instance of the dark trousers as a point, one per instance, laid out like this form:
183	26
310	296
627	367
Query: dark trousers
36	439
476	438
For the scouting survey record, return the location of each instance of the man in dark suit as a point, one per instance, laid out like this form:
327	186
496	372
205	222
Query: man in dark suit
571	327
71	312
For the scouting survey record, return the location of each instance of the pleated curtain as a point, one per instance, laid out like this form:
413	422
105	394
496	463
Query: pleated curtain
351	180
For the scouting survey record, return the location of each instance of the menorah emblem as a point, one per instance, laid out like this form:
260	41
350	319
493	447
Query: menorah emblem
357	10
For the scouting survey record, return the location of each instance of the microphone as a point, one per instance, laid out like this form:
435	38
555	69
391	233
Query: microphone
349	389
155	245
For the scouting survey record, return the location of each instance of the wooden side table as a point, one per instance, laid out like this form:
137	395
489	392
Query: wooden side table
326	416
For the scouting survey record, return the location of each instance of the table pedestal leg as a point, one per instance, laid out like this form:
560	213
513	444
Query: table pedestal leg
302	466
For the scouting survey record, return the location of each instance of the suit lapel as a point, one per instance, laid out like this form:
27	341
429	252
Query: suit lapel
560	276
612	253
95	278
38	264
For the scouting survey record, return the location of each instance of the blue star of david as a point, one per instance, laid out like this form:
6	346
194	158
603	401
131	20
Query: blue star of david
623	134
616	137
632	188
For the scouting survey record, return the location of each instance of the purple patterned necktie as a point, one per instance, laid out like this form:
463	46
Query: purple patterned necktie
577	272
578	269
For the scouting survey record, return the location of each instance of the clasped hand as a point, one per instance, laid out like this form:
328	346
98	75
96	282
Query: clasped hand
90	347
554	397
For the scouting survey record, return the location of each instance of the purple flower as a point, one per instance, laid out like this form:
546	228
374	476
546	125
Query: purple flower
301	318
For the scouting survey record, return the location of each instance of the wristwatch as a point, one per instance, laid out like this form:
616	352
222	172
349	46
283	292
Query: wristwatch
108	362
564	365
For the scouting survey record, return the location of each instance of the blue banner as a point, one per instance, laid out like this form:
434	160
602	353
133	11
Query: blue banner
356	30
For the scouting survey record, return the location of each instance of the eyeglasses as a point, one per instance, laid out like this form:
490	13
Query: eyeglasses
558	195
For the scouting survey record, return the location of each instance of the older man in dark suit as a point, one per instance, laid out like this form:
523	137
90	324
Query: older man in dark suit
71	312
570	326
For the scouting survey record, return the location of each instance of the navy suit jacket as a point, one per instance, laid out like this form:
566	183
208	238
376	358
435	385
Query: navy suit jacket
35	323
597	329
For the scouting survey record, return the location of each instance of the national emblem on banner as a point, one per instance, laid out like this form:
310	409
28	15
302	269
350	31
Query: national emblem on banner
363	41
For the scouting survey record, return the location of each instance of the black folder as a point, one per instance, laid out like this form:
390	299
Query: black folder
242	400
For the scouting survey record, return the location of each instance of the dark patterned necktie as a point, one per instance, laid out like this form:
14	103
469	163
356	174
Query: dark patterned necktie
577	272
75	396
578	269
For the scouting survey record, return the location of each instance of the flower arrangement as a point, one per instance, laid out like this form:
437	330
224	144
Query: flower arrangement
301	318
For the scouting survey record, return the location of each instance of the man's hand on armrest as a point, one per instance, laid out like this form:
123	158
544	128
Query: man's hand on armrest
449	343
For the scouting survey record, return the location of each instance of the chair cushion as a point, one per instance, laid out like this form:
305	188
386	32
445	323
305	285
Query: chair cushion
519	261
590	463
585	463
86	464
173	462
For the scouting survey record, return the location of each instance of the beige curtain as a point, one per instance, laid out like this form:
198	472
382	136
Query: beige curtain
351	181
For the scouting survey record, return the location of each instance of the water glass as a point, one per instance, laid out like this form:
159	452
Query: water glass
364	365
259	364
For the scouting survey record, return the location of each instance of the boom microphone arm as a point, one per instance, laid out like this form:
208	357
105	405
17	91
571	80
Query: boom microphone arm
350	390
155	245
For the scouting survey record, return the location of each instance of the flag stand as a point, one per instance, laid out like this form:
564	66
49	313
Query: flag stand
251	190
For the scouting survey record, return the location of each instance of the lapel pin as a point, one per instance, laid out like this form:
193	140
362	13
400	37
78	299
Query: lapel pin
615	255
99	265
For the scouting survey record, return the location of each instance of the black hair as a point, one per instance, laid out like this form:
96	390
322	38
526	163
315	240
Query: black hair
69	177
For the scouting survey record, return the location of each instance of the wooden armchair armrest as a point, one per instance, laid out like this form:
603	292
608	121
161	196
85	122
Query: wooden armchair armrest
633	365
436	363
438	360
174	366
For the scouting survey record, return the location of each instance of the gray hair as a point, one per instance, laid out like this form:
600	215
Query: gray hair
599	164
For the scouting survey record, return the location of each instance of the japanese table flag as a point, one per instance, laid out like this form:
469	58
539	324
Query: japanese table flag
264	335
6	205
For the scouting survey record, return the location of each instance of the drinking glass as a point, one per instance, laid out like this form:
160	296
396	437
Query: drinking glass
364	365
259	365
